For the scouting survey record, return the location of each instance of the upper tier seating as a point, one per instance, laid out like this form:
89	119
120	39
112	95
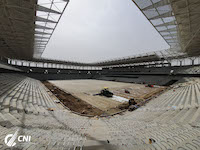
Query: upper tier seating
190	70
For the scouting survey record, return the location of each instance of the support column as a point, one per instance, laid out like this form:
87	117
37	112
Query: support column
181	62
192	62
169	62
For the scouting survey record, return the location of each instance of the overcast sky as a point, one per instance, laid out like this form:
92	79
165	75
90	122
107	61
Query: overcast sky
96	30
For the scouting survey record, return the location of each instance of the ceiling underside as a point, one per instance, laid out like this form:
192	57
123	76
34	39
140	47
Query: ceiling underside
187	14
17	28
27	25
177	21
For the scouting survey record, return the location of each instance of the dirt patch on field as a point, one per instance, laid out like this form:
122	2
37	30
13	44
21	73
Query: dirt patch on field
72	102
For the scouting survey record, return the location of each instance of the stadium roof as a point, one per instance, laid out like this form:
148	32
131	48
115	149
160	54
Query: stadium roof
27	26
177	21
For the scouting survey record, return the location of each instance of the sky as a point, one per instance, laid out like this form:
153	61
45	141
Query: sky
98	30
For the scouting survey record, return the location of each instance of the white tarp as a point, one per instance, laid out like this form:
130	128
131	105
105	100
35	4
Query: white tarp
119	99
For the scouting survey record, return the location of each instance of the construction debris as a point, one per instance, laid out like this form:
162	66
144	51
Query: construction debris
151	141
51	109
56	101
83	112
127	91
132	102
133	107
149	85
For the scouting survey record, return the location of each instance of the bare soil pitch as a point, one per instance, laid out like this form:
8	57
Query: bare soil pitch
77	95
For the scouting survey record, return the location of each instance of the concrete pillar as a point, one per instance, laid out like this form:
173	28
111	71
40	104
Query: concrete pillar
192	62
181	62
169	62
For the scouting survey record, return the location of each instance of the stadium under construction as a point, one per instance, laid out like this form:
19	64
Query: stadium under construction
56	104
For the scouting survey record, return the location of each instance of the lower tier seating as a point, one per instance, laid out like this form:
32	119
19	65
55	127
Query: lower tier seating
171	121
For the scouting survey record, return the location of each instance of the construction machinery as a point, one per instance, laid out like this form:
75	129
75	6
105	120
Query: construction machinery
105	92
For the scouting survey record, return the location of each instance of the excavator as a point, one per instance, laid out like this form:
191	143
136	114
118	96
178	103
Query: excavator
105	92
